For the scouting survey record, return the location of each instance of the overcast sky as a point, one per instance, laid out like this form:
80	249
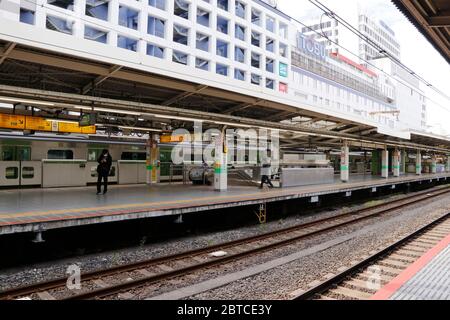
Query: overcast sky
416	52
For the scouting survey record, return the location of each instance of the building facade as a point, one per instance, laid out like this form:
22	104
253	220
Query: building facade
244	46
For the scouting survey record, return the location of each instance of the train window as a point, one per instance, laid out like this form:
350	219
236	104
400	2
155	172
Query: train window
12	173
93	154
23	153
60	154
27	173
13	153
133	156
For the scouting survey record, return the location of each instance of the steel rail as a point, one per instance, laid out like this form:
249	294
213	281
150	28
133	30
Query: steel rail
392	205
342	276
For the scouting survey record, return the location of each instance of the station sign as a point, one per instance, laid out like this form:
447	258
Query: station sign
39	124
311	47
20	122
9	121
283	69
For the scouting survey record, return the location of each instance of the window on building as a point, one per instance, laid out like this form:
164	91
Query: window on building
202	42
283	50
256	17
283	87
180	34
97	9
156	27
180	57
181	9
283	31
240	9
239	74
27	16
155	51
64	4
256	60
222	4
270	45
270	65
203	17
222	48
222	25
239	32
128	17
222	69
160	4
256	79
94	34
270	24
270	83
60	25
256	39
126	43
202	64
239	54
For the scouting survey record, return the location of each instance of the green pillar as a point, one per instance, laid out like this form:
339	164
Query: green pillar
376	169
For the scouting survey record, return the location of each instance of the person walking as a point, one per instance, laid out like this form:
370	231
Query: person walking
103	169
265	175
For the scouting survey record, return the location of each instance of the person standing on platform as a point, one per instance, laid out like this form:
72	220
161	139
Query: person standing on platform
265	174
103	169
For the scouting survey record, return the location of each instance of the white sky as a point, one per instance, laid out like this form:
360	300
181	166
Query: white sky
416	52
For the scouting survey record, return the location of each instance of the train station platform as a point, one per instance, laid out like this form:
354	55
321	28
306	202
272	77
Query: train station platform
35	210
426	279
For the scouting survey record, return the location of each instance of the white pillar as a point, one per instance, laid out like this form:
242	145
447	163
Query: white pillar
433	164
418	163
404	156
384	164
220	166
345	166
396	163
152	165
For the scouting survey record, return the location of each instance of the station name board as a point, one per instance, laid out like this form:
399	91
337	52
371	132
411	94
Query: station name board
19	122
311	47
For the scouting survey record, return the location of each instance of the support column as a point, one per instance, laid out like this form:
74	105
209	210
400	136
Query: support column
433	164
396	163
419	163
448	163
220	165
345	166
375	162
385	164
403	162
153	164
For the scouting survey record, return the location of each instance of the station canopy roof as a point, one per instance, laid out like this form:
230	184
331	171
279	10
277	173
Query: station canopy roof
432	19
31	73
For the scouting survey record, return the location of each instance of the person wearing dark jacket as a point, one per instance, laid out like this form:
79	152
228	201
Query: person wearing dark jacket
103	168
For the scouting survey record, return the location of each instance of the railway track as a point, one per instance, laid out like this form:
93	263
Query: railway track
363	279
108	283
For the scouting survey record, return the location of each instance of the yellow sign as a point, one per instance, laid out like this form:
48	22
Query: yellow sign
8	121
38	124
171	139
19	122
75	128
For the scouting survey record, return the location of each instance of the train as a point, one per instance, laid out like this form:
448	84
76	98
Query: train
58	162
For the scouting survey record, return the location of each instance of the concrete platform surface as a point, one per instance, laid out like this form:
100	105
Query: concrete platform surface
27	210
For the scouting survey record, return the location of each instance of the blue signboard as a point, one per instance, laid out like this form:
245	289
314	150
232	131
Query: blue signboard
283	69
311	47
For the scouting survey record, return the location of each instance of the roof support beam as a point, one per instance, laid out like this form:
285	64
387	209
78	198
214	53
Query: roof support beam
441	20
100	79
243	106
184	95
7	51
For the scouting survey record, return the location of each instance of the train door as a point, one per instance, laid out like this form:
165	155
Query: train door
16	167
